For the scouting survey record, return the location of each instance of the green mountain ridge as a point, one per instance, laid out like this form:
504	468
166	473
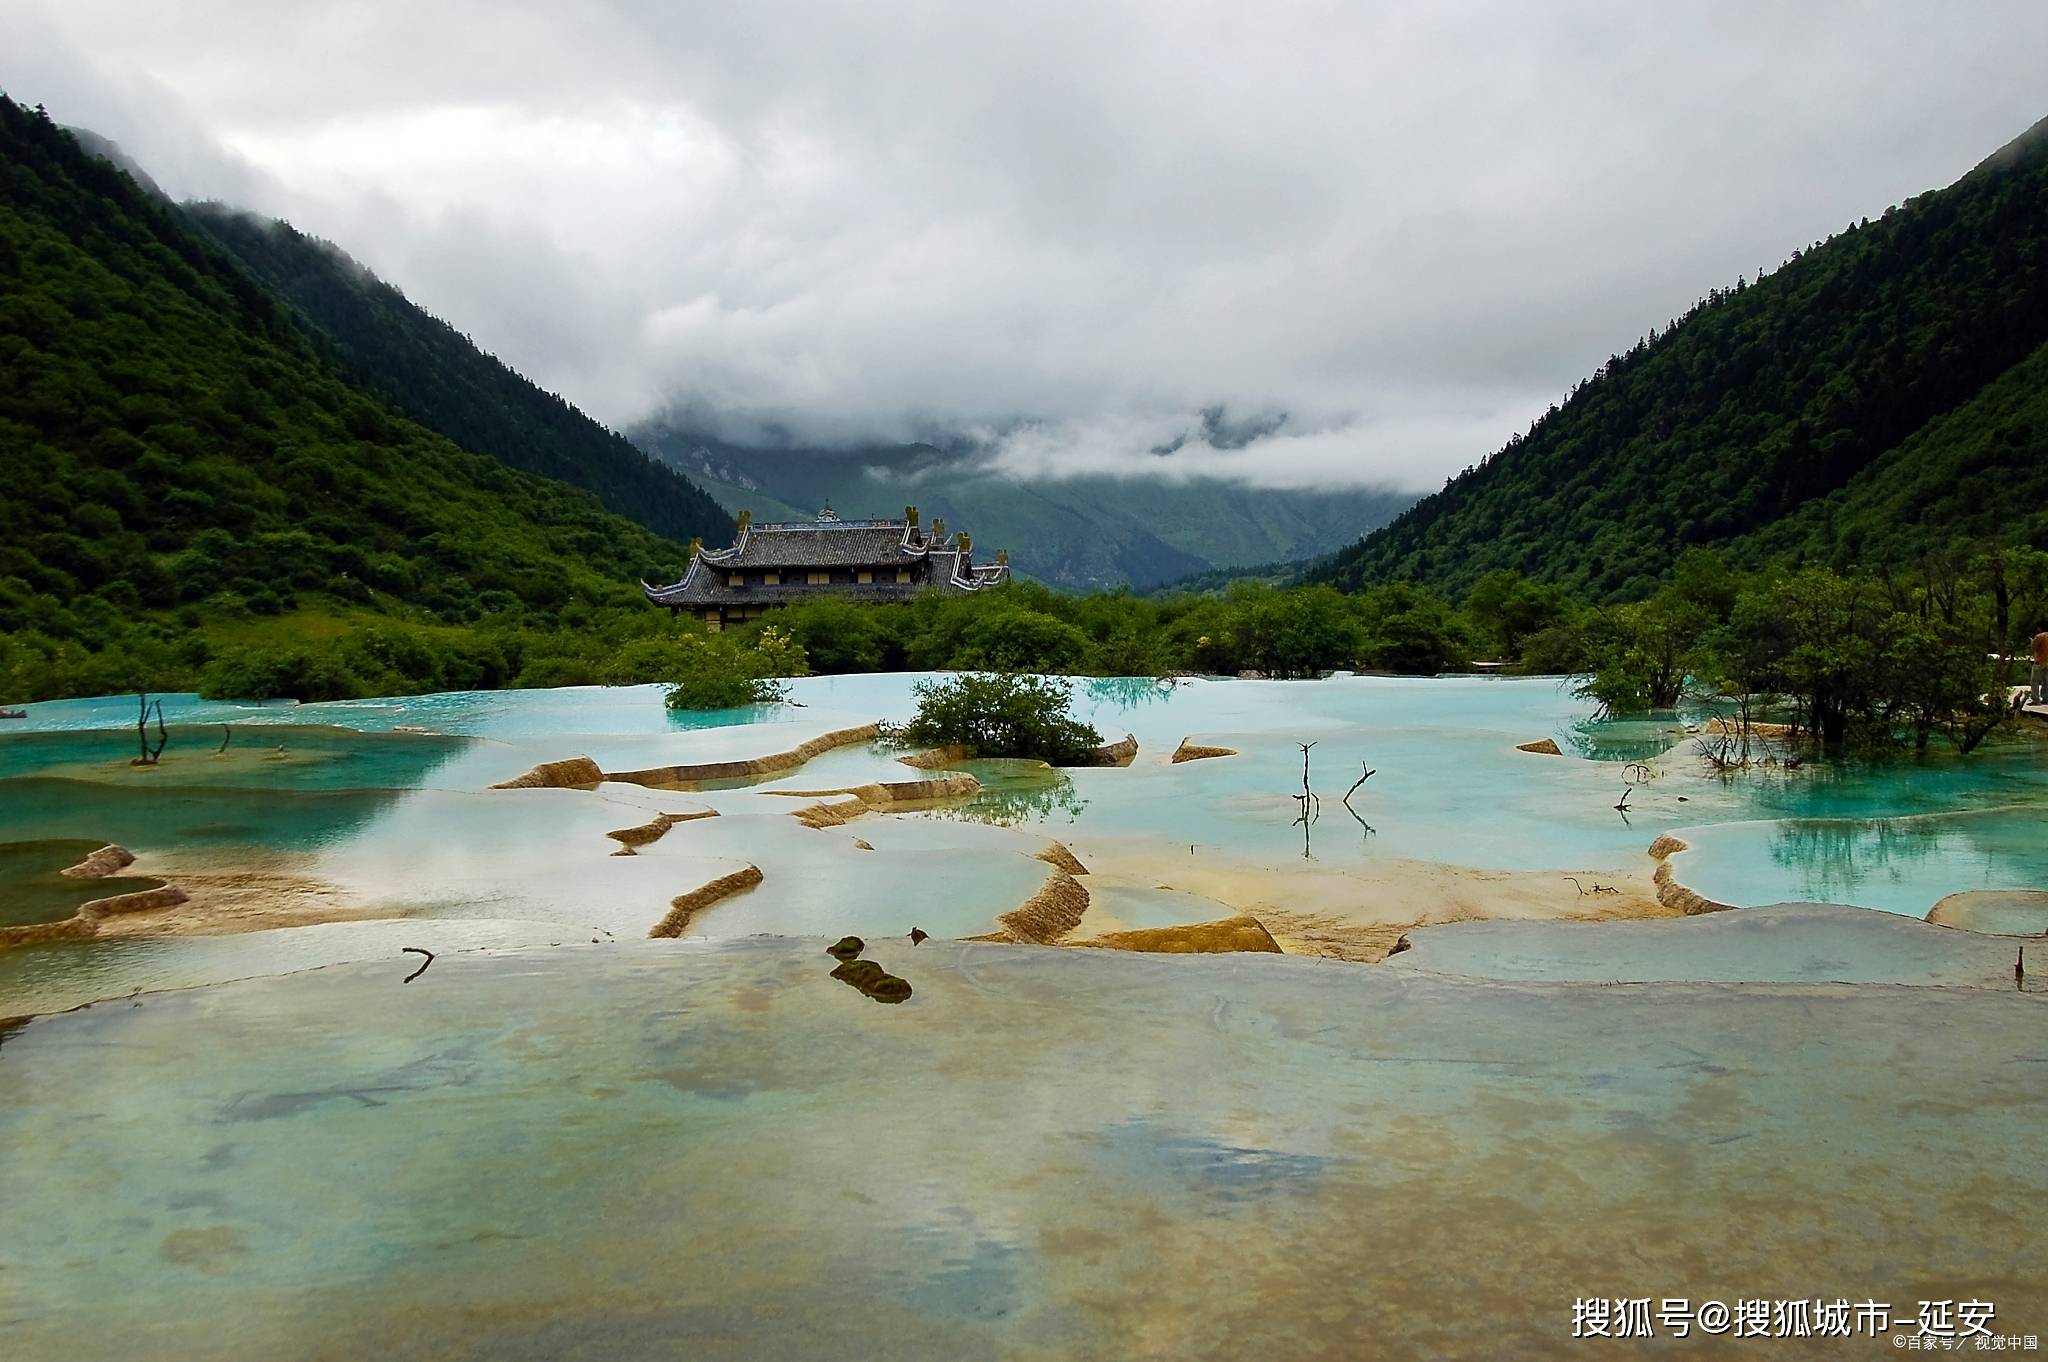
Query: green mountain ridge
1975	473
1864	402
434	374
172	437
1076	533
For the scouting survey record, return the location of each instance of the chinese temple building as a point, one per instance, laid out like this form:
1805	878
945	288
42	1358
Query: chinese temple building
784	562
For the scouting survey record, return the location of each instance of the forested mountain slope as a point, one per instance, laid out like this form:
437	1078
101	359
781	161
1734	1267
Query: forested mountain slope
434	374
170	435
1813	393
1977	474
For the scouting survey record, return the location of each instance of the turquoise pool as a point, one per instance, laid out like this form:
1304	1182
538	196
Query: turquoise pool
389	799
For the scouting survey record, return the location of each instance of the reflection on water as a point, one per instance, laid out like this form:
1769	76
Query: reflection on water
272	756
1833	859
388	800
1644	737
1123	693
298	788
1902	865
1015	793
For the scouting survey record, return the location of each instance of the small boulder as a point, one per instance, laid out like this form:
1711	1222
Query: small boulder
872	980
572	773
108	860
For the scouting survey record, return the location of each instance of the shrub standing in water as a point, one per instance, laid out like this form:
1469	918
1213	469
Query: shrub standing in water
1001	714
717	671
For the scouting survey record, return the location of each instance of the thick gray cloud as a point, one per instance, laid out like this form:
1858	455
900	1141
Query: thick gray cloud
1063	229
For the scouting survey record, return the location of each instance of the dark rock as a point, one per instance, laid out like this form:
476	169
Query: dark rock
872	980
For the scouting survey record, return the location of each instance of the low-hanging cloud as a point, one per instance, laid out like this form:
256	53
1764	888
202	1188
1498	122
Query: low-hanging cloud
1060	233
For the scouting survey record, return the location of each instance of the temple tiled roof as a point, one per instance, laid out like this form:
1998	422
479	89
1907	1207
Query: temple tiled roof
944	564
820	544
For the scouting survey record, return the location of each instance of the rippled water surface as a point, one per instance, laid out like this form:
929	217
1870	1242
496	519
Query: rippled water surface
716	1150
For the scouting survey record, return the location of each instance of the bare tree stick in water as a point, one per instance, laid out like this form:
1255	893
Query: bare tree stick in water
143	707
1307	796
1624	804
227	735
416	950
1355	815
1369	774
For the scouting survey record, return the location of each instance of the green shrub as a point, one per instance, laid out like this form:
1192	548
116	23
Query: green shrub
1000	714
1011	639
836	635
718	671
543	673
283	672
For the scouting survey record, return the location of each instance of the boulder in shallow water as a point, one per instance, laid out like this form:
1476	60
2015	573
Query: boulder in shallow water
1057	853
871	979
683	907
846	948
142	901
1996	912
938	758
1245	933
106	861
1119	753
1665	845
1049	914
653	830
748	767
571	773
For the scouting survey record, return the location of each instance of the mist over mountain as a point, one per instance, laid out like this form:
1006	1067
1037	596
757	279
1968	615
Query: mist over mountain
1076	532
1877	396
1075	227
440	377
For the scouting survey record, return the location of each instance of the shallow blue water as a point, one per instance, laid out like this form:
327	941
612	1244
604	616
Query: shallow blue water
392	795
716	1150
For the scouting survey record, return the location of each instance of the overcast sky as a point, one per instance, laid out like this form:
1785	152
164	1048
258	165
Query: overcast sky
1387	236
